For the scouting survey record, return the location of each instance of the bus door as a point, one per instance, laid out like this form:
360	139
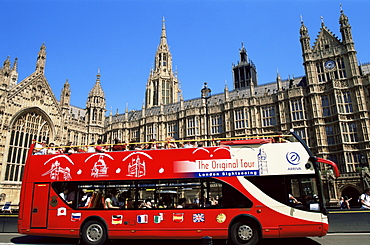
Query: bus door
39	208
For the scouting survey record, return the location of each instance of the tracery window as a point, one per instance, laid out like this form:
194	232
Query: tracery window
216	124
240	119
192	126
345	102
173	130
268	116
297	110
151	132
135	134
349	132
330	135
166	92
29	126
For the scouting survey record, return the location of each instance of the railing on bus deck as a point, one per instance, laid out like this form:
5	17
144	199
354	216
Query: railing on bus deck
161	144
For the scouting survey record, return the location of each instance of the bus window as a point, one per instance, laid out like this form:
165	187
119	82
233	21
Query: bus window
143	194
296	191
67	192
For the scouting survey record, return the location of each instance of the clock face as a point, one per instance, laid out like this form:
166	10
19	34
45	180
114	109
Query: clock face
330	64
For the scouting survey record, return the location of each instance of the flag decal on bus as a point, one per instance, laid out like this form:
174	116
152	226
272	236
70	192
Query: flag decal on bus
178	217
76	217
117	219
142	219
158	218
62	211
197	218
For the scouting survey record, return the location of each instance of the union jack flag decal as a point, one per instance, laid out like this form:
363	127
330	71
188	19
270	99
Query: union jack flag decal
198	218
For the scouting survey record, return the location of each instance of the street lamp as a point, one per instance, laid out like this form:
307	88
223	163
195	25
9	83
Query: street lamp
206	94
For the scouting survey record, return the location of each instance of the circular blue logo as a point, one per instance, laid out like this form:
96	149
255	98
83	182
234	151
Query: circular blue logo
293	158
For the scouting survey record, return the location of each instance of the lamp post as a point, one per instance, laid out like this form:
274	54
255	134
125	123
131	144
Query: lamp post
206	94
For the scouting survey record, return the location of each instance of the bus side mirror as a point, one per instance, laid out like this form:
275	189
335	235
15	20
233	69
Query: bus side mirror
308	165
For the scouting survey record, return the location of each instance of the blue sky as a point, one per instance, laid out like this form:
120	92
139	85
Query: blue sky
121	37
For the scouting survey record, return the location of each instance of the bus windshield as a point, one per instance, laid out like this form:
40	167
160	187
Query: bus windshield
296	191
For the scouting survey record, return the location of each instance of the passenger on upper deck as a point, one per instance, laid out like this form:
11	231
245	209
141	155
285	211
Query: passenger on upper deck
68	149
118	146
153	145
188	144
40	149
51	149
170	143
98	147
132	145
91	147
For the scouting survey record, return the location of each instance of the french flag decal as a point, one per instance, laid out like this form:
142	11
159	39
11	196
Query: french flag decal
142	219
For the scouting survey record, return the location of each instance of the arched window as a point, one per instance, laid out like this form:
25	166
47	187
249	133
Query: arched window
26	127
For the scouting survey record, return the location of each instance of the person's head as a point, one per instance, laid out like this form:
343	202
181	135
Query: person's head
367	191
182	200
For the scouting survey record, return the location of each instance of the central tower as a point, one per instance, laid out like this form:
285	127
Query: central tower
162	87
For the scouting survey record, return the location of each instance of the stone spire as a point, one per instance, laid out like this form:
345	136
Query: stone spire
41	59
96	105
305	38
65	96
162	87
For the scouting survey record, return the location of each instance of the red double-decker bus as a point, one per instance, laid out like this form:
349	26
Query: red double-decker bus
241	190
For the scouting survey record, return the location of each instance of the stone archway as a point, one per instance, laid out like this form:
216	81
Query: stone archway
351	191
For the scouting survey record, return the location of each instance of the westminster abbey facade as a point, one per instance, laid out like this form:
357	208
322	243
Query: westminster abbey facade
328	107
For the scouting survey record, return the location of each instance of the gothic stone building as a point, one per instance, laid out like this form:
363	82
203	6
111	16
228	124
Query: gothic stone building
328	108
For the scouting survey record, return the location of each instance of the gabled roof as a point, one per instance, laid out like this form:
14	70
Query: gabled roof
39	86
325	37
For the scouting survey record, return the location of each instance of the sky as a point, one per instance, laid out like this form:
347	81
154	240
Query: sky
120	37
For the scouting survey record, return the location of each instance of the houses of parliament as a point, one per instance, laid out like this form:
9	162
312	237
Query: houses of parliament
328	107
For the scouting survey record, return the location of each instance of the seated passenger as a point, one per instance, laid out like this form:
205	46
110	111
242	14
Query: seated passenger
146	204
51	149
108	203
40	149
182	203
161	204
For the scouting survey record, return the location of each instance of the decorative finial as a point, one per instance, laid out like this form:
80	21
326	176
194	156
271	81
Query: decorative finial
322	20
98	75
341	9
301	19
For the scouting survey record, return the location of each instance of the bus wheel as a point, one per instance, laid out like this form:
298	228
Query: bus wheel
93	233
243	233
